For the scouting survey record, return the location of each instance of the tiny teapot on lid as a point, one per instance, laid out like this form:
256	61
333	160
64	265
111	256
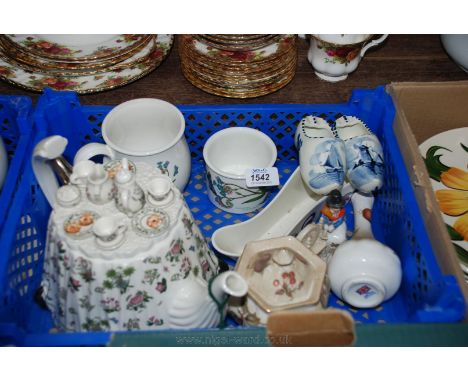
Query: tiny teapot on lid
130	196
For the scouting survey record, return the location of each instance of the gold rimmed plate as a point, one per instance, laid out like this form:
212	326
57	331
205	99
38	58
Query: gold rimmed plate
42	63
77	47
237	45
140	57
241	79
87	83
238	58
242	92
254	69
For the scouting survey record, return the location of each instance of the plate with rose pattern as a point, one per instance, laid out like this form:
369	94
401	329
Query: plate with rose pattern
36	63
80	225
150	222
82	84
446	157
139	57
77	47
266	52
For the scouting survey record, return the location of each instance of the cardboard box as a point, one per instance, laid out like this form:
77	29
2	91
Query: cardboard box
422	111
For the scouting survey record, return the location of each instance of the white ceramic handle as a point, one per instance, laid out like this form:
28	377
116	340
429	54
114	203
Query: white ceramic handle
91	150
372	43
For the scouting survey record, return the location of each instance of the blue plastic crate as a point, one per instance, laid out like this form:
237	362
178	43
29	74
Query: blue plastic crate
426	295
15	130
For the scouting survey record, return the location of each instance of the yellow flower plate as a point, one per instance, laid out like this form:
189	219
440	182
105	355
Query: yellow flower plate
446	157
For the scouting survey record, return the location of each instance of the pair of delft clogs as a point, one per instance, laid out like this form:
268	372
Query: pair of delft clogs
326	156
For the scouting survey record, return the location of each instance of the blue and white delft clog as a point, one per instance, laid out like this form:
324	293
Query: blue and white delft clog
364	155
321	155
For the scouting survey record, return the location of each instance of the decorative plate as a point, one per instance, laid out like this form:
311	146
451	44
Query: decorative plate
72	47
446	157
80	225
150	222
267	52
50	67
87	83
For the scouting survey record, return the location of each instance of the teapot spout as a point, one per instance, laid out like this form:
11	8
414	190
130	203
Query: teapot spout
229	283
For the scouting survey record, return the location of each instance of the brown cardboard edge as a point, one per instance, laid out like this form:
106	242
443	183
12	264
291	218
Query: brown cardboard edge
438	235
330	327
396	86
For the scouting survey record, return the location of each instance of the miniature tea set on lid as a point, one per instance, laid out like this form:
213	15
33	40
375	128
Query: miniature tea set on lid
123	251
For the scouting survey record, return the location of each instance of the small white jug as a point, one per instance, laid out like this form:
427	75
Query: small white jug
100	188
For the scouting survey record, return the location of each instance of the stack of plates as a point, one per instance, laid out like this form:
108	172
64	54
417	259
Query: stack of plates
238	66
83	63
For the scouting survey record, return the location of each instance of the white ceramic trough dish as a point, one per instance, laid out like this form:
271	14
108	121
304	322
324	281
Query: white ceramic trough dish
292	209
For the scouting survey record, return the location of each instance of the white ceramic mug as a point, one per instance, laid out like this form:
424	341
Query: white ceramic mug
145	130
335	56
228	154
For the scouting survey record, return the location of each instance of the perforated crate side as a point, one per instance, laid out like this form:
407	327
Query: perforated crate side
425	296
15	130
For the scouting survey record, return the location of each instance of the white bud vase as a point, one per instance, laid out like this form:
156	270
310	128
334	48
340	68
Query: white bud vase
363	271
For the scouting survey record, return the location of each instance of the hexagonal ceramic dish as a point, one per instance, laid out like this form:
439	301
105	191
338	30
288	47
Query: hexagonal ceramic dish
282	274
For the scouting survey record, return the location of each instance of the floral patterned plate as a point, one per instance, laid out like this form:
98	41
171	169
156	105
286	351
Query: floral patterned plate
241	44
150	222
87	83
35	63
73	47
80	225
267	52
139	57
446	157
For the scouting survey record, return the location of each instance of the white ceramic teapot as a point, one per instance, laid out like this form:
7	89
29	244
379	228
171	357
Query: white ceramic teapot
149	270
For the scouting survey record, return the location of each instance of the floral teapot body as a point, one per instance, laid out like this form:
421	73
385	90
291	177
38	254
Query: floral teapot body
107	270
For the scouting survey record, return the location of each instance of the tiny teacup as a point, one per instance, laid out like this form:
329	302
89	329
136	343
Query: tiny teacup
109	232
159	191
